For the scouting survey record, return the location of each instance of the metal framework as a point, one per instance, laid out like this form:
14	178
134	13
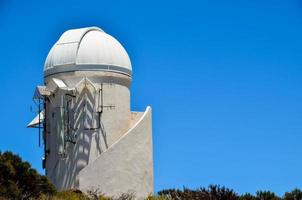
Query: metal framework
43	95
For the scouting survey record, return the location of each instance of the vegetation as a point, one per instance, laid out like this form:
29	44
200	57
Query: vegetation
19	181
213	192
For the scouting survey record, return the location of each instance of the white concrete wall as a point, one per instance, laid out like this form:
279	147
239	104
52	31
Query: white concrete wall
127	166
116	158
90	143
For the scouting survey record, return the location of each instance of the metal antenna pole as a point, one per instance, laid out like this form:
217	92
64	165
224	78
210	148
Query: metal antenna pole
39	125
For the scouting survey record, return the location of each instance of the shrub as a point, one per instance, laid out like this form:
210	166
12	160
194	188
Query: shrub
213	192
266	195
247	196
296	194
19	181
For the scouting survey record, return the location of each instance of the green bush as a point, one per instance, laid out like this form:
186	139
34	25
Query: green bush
296	194
70	195
213	192
247	196
266	195
19	181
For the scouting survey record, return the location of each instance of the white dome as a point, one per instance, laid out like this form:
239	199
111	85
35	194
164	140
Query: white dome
87	49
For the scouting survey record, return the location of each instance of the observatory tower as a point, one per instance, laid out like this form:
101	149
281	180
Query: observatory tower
92	140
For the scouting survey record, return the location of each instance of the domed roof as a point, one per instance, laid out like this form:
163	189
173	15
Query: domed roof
87	49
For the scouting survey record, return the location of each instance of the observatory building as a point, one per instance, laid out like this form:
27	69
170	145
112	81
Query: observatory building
92	140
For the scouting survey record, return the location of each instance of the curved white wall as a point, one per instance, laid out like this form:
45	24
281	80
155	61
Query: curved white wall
127	166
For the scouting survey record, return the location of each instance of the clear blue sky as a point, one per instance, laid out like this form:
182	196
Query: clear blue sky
224	79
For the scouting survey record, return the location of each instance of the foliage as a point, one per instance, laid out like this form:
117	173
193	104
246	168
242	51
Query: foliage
296	194
157	197
213	192
92	195
247	196
266	195
19	181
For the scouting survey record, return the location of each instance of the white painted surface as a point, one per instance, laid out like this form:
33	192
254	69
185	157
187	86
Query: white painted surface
63	166
59	83
37	120
115	156
87	48
127	166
